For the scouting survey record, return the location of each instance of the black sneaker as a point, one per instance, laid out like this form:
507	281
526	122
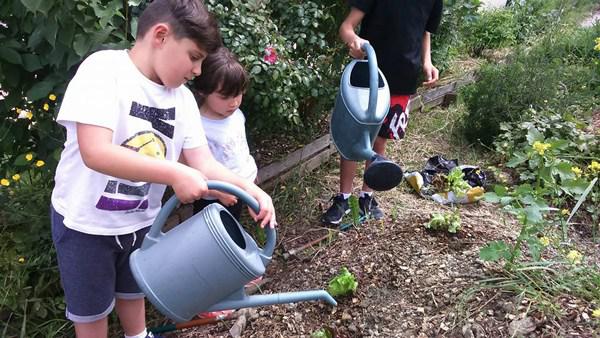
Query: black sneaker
336	211
368	206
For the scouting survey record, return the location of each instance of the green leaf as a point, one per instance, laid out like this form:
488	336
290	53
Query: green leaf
31	62
534	135
21	160
575	186
39	90
494	251
534	214
342	284
10	55
563	170
32	5
491	197
256	70
518	158
50	31
82	44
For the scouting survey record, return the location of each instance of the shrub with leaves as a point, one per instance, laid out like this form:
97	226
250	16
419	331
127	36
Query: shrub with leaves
491	30
342	284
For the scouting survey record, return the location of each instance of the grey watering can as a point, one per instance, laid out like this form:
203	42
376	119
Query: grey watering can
204	263
360	107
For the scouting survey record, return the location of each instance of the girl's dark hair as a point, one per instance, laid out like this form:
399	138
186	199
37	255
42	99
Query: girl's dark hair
221	71
187	18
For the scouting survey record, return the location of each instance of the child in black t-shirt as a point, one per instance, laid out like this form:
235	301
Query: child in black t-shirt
399	31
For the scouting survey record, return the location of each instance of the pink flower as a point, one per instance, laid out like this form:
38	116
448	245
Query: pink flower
270	55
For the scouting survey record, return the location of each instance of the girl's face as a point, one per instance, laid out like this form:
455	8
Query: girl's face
218	106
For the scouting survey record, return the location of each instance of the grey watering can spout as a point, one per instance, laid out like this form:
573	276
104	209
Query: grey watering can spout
240	299
204	263
361	106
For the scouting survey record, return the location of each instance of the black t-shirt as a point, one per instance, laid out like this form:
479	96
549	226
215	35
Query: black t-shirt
395	29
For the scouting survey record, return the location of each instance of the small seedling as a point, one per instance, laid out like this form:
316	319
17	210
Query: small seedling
342	284
449	221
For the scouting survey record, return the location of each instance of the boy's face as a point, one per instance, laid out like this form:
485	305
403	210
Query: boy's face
176	61
221	105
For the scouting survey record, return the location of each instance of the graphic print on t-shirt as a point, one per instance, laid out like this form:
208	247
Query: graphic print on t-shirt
131	196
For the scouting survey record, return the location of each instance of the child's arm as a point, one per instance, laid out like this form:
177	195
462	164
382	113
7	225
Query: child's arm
202	159
100	154
225	198
431	72
348	34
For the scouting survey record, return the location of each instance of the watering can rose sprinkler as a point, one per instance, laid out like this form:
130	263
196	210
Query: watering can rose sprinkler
360	107
204	263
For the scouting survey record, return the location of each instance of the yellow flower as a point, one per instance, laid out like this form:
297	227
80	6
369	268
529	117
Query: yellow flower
29	157
574	257
5	182
597	47
21	260
594	167
25	114
545	241
52	97
564	212
576	171
46	107
39	163
16	177
596	313
541	147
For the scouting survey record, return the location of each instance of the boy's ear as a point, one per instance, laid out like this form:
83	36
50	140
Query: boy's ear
159	33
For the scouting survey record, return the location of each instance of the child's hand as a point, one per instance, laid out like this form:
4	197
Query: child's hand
189	184
355	50
267	210
432	74
225	199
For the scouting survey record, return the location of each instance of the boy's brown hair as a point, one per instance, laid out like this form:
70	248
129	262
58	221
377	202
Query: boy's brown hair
222	72
187	18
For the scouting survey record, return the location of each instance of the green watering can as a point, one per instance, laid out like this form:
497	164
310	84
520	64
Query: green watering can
360	107
204	263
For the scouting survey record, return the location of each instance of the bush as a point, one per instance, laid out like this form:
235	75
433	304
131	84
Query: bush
558	74
491	30
291	90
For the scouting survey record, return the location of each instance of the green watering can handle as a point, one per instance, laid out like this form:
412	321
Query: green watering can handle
155	232
373	78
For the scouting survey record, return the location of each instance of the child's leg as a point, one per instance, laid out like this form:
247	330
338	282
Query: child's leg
97	329
132	315
379	148
347	172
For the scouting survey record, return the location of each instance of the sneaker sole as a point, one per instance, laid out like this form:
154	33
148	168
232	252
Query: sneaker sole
337	221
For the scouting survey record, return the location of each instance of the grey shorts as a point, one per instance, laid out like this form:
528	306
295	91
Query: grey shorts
94	270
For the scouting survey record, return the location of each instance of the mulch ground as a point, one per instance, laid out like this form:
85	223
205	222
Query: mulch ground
412	282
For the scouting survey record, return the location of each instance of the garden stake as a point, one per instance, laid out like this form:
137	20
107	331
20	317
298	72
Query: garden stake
193	323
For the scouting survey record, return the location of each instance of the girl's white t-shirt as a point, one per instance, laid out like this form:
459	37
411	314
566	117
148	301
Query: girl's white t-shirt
109	91
227	142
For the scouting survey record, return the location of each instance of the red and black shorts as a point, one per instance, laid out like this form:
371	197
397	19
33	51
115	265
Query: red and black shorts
395	123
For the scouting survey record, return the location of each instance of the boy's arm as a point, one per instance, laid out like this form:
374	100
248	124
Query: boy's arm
432	74
100	154
202	159
348	34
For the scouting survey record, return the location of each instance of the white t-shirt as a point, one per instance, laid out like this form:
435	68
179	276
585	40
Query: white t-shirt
228	144
109	91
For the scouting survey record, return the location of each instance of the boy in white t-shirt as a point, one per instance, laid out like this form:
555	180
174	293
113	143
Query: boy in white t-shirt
129	119
219	92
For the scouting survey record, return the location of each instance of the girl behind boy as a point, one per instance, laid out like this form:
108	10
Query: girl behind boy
219	90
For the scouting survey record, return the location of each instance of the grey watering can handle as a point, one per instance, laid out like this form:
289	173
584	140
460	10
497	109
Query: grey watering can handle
155	232
373	79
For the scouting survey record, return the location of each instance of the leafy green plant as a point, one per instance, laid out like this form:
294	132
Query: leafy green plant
492	29
322	333
354	210
342	284
449	221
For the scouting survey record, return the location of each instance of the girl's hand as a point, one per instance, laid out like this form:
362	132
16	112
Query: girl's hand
225	199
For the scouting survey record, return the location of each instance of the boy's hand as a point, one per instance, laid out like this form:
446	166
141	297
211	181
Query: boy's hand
354	47
189	184
432	74
267	210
